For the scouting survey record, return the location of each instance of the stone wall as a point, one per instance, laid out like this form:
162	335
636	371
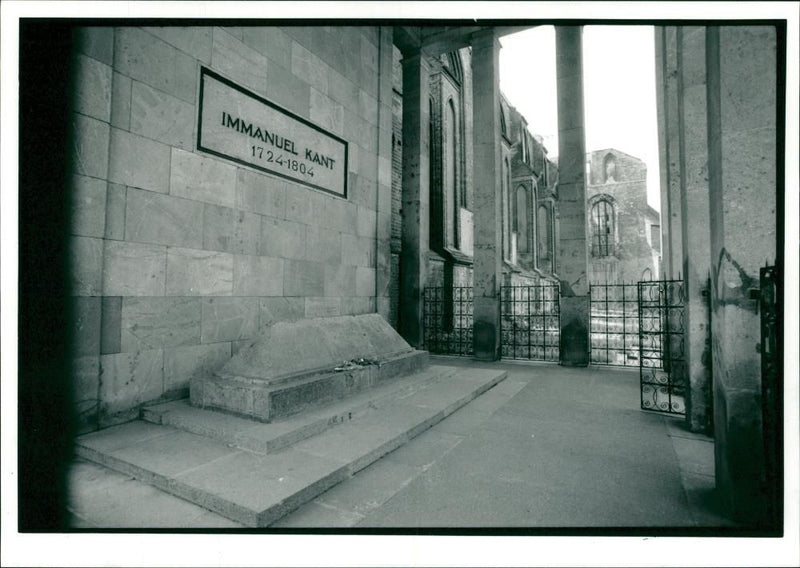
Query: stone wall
397	184
742	145
690	154
179	256
718	109
632	255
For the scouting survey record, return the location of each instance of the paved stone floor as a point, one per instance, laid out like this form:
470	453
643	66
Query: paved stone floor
547	447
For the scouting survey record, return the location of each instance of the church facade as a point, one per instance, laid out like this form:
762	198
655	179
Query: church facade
529	197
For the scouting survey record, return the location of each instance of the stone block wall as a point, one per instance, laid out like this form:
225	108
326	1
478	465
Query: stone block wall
397	183
742	143
525	279
722	175
178	256
627	168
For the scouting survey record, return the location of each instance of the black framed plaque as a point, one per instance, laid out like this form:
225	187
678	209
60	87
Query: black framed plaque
238	125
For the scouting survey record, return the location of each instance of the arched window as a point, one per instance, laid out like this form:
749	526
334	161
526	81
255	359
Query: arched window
524	141
602	225
506	213
434	235
452	62
453	84
450	165
521	218
546	175
543	227
610	169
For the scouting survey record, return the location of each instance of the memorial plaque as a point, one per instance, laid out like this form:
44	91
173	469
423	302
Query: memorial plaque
238	125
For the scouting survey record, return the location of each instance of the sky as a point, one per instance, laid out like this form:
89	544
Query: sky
619	90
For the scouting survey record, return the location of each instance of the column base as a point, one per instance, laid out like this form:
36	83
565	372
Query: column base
486	341
575	347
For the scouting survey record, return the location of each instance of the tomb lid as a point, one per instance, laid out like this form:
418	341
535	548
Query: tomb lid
286	349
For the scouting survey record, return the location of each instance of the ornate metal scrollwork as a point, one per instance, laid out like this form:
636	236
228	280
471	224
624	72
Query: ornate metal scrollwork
662	346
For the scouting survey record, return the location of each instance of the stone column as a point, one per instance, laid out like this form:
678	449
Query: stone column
416	182
384	198
672	253
572	250
742	169
487	171
694	216
660	52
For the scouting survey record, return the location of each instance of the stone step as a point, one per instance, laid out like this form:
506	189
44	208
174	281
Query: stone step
256	489
271	437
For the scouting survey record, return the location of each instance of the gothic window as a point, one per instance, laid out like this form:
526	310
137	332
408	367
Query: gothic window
602	225
434	236
545	176
525	147
527	142
610	169
450	165
452	62
543	226
448	181
521	218
454	67
655	237
506	216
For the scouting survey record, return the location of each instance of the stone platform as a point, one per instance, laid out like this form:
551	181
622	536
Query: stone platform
255	473
301	408
294	366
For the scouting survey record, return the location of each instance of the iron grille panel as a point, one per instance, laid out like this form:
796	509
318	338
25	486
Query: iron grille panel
614	327
661	346
771	389
530	322
447	320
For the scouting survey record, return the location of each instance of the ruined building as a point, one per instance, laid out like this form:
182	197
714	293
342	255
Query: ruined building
625	230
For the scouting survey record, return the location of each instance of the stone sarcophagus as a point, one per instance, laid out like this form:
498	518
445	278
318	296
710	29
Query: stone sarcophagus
292	366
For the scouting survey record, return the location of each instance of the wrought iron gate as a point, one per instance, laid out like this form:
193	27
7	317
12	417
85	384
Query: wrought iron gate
530	322
447	320
661	346
770	310
614	325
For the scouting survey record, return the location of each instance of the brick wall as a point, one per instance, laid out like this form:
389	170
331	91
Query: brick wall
180	257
